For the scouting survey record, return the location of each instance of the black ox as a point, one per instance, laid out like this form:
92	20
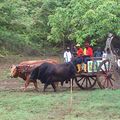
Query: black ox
49	73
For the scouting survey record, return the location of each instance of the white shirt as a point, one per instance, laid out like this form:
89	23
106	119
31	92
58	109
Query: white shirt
104	56
67	56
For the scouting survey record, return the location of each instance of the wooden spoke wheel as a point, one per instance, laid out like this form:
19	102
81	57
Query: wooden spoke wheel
85	80
105	75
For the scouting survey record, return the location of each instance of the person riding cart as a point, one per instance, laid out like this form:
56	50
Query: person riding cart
79	58
98	54
88	53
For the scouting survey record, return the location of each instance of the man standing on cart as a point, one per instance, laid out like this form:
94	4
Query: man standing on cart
88	53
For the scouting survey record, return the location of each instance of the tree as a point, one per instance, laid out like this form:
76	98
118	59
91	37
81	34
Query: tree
24	23
81	19
37	24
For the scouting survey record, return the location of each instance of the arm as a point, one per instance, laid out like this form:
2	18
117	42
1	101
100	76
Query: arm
90	52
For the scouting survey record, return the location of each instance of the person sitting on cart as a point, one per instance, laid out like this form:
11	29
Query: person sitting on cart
74	50
98	54
79	58
88	53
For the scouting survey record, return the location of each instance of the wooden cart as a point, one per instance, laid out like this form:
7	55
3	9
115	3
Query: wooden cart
106	73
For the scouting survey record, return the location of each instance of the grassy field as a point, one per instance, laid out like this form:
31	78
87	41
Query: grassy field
86	105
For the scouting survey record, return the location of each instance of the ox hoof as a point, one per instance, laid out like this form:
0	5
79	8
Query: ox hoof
36	90
55	90
23	89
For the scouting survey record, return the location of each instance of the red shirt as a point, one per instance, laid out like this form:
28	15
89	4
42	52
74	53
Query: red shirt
79	52
88	51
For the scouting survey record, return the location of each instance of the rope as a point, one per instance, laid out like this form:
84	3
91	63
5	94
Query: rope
71	95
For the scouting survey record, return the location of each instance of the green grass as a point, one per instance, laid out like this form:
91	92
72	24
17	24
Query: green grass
86	105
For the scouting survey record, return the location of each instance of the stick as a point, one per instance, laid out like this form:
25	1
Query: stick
71	97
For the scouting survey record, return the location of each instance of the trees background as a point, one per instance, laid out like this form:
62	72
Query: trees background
40	26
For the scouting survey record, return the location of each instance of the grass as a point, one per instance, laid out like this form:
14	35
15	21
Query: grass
86	105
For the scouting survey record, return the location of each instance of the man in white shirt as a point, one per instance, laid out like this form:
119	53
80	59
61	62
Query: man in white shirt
67	55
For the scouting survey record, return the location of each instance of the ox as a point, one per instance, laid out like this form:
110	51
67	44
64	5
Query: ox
32	62
49	73
24	69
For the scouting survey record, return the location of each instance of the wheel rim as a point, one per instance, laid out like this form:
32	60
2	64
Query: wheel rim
105	75
85	82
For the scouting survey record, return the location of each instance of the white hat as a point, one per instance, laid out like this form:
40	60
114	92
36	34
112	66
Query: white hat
78	45
68	48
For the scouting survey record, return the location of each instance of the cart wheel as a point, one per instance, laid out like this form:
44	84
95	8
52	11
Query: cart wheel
105	75
85	81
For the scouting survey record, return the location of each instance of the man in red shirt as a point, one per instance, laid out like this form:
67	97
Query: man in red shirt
88	53
79	50
79	58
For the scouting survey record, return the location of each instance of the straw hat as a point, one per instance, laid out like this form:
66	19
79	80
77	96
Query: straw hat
78	45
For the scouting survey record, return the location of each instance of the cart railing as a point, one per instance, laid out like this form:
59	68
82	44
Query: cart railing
93	64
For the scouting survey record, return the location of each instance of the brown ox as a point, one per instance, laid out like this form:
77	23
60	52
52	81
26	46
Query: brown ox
24	69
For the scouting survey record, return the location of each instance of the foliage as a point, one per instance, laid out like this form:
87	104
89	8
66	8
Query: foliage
24	23
83	19
37	24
